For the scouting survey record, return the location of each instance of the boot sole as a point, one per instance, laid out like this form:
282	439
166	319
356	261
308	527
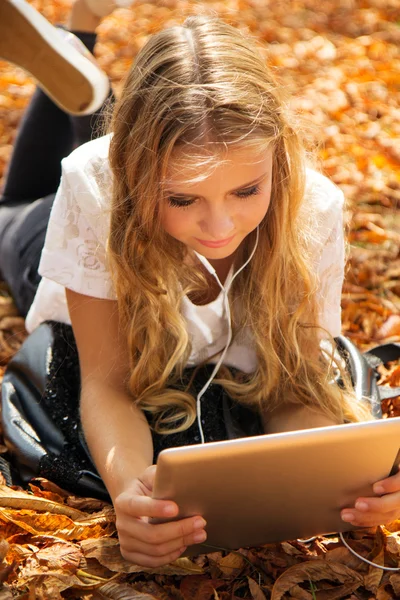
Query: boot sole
29	41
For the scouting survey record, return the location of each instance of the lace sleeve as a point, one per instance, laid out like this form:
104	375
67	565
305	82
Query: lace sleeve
74	254
331	274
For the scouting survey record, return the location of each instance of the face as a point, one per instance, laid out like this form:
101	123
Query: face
214	215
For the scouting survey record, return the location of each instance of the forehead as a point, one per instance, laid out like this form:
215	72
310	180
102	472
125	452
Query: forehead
233	165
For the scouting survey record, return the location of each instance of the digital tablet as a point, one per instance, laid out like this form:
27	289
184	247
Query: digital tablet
277	487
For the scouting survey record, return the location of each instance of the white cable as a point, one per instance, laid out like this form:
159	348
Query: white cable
369	562
228	312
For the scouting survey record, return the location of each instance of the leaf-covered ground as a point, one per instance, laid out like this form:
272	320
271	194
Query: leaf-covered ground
341	61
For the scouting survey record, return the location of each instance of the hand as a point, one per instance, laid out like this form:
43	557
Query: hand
147	544
369	512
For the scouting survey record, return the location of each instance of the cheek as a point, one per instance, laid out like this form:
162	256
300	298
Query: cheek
254	212
175	221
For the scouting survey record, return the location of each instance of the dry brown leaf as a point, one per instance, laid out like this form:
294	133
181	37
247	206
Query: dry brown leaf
391	327
18	553
231	564
120	591
5	593
314	571
255	590
11	498
152	589
384	594
49	486
61	555
288	548
374	577
3	549
107	552
52	496
395	583
393	544
58	525
57	580
198	587
344	556
86	504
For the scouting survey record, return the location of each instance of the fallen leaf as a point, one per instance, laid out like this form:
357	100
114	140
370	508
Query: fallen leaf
120	591
58	525
19	499
314	571
198	587
107	552
255	590
231	564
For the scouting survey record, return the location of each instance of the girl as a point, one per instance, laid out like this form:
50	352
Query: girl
200	263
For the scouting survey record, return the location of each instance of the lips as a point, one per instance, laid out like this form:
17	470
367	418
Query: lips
215	244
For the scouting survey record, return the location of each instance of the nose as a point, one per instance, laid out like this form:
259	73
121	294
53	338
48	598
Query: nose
218	224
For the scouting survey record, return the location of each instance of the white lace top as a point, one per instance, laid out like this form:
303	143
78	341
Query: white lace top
74	255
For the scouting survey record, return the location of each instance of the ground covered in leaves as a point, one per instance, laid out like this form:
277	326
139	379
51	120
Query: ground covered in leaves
341	61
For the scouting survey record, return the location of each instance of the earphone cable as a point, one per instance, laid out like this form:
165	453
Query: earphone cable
369	562
228	313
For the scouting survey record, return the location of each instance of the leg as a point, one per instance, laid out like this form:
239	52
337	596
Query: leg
68	73
22	233
46	136
88	127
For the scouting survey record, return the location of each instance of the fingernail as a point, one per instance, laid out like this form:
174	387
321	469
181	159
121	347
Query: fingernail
169	509
348	517
199	523
362	506
200	537
378	489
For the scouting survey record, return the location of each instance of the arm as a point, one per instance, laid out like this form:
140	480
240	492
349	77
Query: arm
290	417
117	433
120	441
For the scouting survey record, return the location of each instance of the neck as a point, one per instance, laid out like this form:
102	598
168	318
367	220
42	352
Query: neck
222	266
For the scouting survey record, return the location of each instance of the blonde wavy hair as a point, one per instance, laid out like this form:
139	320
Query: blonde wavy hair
203	88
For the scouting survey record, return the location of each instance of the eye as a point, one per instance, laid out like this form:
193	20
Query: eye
179	202
252	191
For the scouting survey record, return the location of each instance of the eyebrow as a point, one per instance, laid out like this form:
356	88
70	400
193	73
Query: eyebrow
237	189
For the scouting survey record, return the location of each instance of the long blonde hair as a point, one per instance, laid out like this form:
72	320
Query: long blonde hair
201	86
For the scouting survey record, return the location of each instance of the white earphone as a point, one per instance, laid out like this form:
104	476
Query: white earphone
225	290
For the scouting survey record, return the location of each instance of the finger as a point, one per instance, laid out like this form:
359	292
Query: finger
388	485
360	519
384	504
161	549
151	561
186	531
144	506
149	476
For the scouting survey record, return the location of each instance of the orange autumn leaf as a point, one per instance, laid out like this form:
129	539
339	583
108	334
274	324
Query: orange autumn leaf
390	328
59	525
